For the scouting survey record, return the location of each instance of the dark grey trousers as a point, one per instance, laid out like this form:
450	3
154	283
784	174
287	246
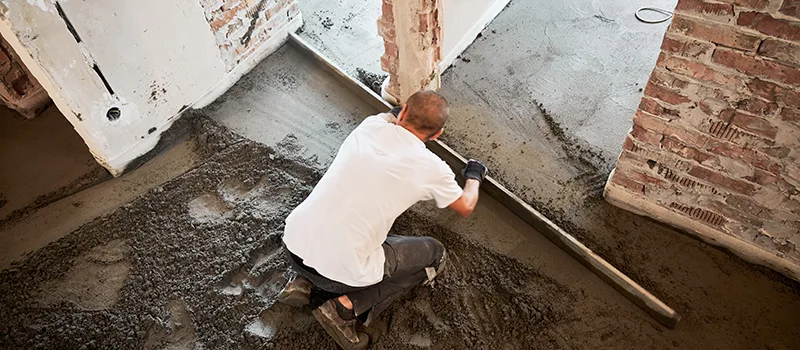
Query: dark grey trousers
406	260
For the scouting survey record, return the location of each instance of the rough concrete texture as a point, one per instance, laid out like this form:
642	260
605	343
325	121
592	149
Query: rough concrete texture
549	116
201	262
345	31
196	263
43	160
711	288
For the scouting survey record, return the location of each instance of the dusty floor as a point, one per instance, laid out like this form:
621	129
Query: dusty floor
43	160
195	263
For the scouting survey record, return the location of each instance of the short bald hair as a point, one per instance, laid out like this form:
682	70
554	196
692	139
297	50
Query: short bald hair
427	111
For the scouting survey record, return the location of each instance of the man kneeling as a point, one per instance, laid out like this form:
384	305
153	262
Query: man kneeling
337	239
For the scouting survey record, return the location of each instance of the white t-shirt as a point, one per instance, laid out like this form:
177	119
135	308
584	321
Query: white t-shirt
380	171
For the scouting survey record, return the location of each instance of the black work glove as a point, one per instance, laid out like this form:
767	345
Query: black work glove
474	170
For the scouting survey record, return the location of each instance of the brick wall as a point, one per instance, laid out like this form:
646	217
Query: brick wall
241	26
412	46
19	90
715	143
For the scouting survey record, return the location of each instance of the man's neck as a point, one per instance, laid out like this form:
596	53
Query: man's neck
422	137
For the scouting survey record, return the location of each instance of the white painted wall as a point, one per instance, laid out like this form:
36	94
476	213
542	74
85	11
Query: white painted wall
158	57
463	20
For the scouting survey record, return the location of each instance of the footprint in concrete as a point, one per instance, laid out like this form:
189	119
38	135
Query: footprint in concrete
177	331
95	279
422	340
265	273
276	318
208	208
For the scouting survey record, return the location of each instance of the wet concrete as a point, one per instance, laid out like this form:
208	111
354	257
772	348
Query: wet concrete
200	262
345	31
692	277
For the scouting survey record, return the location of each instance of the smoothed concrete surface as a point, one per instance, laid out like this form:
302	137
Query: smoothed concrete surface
42	160
346	31
288	100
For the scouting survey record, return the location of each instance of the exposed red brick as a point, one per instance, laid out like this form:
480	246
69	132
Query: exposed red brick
706	9
775	151
750	156
734	214
753	4
645	135
791	8
765	178
620	179
765	23
756	106
660	93
685	135
700	214
676	146
755	125
652	106
628	144
643	178
666	79
748	205
227	14
649	122
697	71
423	22
780	50
387	11
687	48
790	115
772	92
719	179
756	66
725	35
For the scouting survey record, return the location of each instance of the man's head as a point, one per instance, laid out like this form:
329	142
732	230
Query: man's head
424	114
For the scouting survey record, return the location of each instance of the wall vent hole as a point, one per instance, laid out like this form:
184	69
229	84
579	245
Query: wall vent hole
113	113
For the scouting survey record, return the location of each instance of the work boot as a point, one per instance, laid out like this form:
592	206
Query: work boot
342	331
433	273
296	293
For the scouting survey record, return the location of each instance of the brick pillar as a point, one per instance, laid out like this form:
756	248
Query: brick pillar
412	35
19	90
715	143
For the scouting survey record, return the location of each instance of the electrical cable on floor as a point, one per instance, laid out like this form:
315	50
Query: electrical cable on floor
668	14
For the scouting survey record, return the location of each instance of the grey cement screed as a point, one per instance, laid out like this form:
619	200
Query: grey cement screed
346	31
201	266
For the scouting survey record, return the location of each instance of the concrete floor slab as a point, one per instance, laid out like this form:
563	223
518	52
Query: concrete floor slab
42	160
704	284
288	101
345	31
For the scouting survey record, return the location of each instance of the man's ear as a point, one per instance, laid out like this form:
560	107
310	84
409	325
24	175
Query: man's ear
402	114
435	136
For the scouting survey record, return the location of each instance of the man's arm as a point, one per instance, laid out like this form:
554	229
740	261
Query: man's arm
474	172
465	204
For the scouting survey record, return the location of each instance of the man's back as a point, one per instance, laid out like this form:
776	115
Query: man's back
381	170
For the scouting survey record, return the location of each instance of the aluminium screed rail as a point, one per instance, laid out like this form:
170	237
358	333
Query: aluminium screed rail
622	283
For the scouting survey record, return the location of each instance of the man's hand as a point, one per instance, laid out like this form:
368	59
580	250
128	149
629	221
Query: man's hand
473	174
474	170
